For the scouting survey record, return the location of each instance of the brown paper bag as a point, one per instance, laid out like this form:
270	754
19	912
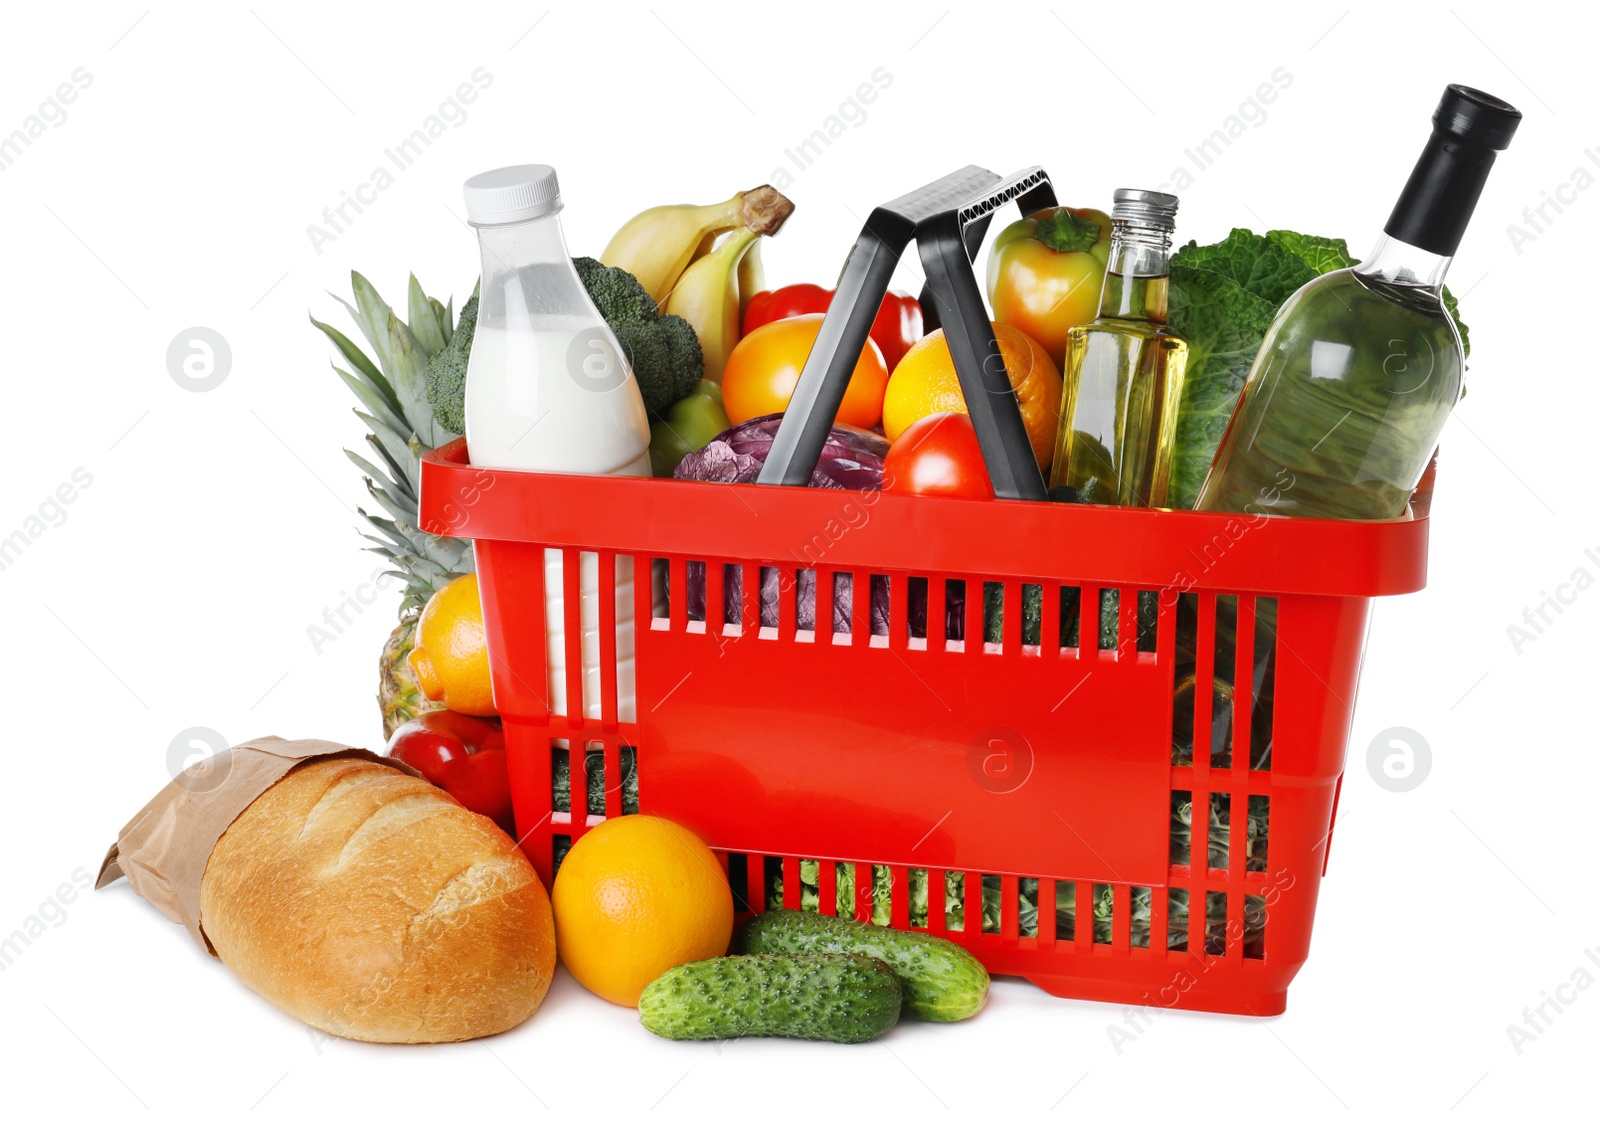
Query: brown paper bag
163	851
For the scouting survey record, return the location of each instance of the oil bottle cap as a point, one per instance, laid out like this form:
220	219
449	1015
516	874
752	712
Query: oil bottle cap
512	194
1146	208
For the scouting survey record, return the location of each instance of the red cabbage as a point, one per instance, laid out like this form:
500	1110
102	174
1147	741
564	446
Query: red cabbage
852	458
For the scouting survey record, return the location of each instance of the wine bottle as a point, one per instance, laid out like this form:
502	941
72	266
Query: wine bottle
1344	404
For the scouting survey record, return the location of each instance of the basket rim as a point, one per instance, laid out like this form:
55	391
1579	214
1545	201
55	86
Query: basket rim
834	530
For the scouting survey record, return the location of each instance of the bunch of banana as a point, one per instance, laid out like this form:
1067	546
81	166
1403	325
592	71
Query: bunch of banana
675	253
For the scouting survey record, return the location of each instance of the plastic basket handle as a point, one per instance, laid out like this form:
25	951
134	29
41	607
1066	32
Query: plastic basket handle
948	219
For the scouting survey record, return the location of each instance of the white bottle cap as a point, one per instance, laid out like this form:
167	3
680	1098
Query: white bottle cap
512	194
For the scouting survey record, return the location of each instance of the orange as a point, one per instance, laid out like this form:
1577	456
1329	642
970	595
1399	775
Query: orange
765	367
925	383
636	896
451	658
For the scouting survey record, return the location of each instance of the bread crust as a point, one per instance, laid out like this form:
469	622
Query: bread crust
371	905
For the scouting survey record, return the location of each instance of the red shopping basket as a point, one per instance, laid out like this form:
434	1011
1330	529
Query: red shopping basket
1100	748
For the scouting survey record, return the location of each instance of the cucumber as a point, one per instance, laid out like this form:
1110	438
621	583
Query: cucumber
838	998
940	980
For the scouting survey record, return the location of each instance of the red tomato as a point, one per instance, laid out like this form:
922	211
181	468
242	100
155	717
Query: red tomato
938	454
465	756
765	367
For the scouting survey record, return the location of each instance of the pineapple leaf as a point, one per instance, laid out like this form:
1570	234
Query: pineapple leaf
372	316
381	547
440	550
377	322
418	589
446	315
419	570
396	509
387	529
425	569
395	572
422	319
395	447
376	476
400	533
356	315
410	383
394	467
448	552
358	358
402	565
422	567
384	550
401	356
375	402
396	471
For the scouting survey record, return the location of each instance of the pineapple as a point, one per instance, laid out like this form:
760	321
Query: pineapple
401	426
399	696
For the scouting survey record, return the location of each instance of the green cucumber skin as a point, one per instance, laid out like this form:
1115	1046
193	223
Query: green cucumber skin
836	998
941	981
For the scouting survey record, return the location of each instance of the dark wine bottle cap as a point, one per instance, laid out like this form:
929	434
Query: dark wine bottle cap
1478	117
1469	127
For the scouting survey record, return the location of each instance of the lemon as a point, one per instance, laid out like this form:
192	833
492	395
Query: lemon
451	657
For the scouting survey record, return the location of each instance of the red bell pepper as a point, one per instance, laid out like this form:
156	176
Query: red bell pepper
897	325
465	756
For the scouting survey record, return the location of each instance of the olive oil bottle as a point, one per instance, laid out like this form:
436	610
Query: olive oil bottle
1124	370
1357	375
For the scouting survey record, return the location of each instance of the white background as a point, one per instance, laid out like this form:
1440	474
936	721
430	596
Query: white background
219	525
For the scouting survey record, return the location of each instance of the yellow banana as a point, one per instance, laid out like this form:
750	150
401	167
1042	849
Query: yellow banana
752	277
707	295
658	244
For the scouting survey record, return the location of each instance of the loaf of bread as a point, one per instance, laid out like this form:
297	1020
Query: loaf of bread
371	905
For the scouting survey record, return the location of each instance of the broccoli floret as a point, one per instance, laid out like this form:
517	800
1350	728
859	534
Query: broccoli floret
662	349
645	347
616	292
446	376
686	360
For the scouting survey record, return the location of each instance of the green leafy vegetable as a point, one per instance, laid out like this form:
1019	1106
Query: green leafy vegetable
1223	324
594	783
1259	265
1323	254
1453	306
1217	836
